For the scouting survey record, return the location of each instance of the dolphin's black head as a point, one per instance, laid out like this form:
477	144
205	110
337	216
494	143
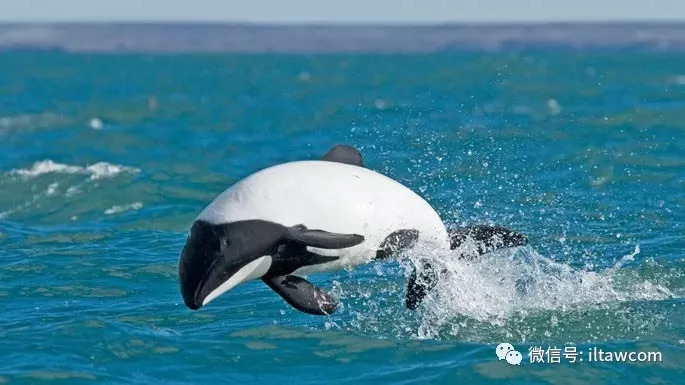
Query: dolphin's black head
216	257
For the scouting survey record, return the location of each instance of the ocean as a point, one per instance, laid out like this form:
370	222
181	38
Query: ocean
107	158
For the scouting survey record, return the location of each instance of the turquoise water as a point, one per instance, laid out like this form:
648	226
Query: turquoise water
107	159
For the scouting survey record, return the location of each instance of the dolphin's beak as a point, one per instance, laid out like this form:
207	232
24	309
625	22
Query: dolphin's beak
209	266
248	272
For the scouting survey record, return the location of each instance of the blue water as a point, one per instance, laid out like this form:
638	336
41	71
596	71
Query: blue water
107	159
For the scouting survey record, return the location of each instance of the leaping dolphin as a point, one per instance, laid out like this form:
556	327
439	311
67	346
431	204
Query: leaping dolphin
308	217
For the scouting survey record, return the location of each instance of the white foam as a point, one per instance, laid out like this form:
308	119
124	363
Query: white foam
30	120
515	293
95	124
116	209
106	170
73	190
52	189
96	171
553	106
514	283
45	167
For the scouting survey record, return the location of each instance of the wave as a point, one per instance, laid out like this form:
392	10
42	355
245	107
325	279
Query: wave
96	171
51	190
65	183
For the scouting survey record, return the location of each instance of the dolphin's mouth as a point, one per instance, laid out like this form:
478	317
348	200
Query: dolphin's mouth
198	297
207	289
252	270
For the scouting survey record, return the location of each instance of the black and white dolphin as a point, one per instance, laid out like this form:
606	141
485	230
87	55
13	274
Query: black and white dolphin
306	217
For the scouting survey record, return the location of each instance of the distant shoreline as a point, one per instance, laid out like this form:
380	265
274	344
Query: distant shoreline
188	37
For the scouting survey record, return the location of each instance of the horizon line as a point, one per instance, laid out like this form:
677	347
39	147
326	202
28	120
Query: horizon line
352	23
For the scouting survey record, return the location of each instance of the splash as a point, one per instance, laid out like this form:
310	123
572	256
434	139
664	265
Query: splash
516	294
504	284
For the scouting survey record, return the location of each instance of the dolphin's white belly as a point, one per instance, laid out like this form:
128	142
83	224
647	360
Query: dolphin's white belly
334	197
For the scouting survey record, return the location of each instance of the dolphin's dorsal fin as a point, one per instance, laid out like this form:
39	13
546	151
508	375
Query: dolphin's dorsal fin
343	153
302	294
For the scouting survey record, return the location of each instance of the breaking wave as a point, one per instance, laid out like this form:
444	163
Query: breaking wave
48	186
96	171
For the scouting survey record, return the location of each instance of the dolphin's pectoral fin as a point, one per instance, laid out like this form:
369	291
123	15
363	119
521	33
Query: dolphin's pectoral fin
343	153
485	239
322	239
420	283
397	241
301	294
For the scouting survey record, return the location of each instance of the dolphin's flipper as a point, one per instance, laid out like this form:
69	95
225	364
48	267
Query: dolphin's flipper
484	239
301	294
397	241
343	153
322	239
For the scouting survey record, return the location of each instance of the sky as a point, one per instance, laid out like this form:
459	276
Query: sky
341	11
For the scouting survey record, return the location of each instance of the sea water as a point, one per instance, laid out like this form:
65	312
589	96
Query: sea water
106	159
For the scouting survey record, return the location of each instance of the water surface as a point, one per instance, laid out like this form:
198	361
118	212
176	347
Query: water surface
107	159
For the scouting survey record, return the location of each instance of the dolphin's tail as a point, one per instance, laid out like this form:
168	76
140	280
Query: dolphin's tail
472	242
